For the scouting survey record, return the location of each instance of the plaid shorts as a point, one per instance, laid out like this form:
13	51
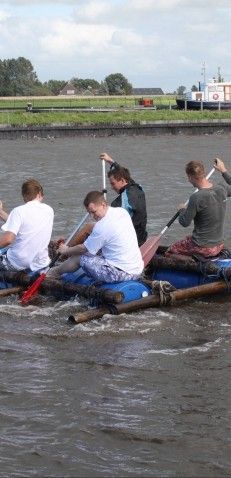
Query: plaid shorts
98	268
5	264
187	247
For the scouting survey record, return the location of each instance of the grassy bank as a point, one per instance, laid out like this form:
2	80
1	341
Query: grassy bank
162	113
83	101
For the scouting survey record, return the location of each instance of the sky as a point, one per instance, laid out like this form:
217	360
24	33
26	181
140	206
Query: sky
153	43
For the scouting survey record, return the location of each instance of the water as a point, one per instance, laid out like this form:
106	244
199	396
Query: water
145	394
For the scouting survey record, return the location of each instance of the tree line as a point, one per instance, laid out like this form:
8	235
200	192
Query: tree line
18	78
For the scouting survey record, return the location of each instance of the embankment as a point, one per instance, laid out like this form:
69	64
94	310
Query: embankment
174	127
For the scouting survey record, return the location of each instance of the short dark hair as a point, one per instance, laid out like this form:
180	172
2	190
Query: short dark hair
96	197
120	173
195	169
30	189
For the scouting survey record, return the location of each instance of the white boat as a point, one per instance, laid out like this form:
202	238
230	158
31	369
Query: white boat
210	96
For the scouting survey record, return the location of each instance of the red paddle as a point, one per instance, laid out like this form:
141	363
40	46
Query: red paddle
149	248
34	287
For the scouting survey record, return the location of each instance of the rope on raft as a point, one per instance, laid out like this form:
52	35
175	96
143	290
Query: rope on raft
221	273
92	290
162	288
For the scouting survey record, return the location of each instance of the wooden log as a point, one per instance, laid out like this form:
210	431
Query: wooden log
10	291
184	263
61	289
66	289
198	291
151	301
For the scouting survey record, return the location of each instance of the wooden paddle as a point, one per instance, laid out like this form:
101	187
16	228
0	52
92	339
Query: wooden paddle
34	287
149	248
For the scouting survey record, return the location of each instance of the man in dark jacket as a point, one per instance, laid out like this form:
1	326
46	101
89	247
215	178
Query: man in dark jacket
130	196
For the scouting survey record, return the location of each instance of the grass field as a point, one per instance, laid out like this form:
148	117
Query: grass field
164	111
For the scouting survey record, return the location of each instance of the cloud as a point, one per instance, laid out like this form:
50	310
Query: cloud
130	39
205	27
151	42
4	15
68	39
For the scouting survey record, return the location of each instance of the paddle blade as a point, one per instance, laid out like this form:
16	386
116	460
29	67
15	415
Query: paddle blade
149	248
33	289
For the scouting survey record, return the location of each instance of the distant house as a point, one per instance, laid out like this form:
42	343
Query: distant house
147	91
69	90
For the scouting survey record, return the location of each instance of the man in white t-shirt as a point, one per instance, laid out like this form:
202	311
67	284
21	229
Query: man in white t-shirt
27	231
111	252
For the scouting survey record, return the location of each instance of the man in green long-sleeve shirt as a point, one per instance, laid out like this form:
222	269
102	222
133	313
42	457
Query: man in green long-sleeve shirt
206	208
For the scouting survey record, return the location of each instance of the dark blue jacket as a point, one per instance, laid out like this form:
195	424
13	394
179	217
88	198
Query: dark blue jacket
132	198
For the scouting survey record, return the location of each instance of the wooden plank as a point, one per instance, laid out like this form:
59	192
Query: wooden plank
187	264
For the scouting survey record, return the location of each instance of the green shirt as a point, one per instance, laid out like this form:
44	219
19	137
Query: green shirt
207	209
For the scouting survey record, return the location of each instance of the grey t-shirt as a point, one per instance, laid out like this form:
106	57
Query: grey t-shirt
227	177
207	209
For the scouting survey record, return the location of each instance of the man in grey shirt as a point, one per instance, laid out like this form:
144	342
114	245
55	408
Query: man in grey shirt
206	208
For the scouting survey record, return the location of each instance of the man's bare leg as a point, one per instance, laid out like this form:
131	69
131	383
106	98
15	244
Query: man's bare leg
70	265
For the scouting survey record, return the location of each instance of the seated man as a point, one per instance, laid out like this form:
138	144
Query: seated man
27	231
111	252
206	208
130	196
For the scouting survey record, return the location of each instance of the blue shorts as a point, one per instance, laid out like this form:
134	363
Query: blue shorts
98	268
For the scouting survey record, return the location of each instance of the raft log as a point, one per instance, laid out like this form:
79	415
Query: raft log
65	289
151	301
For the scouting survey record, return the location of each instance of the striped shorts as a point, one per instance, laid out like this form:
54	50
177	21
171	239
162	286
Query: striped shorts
5	264
98	268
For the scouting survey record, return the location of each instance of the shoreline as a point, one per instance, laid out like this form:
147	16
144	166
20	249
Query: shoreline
174	127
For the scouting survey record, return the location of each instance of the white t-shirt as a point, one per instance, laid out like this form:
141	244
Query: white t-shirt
116	236
32	225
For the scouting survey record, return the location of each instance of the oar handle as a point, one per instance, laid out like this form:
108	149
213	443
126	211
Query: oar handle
76	229
104	179
172	219
57	256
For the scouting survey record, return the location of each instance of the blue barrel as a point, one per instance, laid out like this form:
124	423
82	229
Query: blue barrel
132	290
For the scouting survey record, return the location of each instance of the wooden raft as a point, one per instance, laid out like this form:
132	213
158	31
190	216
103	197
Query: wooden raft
173	262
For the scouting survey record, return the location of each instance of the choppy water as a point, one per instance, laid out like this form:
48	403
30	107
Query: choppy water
146	394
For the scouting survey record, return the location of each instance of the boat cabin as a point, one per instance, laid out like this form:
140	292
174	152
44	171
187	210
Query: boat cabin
211	91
